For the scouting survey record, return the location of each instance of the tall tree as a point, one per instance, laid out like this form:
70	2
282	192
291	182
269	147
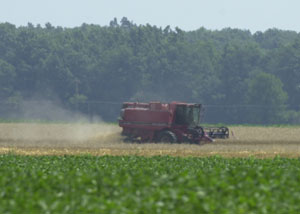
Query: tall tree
7	76
287	68
265	98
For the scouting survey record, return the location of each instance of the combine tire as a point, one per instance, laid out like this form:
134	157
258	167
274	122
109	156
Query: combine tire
167	137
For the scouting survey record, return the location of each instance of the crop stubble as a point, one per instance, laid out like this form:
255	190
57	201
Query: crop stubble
105	139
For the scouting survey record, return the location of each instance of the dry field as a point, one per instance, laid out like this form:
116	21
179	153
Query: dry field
103	139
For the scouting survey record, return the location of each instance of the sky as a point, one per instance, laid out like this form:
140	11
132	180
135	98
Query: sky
188	15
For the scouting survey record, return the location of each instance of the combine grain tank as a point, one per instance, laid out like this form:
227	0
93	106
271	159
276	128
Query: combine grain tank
166	122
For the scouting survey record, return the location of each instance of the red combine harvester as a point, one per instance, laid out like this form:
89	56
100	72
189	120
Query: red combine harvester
170	123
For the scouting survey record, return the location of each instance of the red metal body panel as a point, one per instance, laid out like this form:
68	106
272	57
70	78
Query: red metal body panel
142	115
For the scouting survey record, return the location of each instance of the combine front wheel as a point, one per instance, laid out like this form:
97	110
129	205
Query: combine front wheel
167	137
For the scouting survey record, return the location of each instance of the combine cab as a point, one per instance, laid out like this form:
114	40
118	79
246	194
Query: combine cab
173	122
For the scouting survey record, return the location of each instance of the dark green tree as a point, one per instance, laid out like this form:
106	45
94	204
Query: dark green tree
88	65
287	68
265	98
7	75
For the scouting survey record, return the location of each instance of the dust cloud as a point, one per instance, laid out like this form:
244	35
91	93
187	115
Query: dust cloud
52	110
60	127
25	135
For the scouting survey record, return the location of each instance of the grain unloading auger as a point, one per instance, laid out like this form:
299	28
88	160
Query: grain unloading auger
170	123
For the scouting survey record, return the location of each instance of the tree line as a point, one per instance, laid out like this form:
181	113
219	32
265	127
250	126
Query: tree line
241	77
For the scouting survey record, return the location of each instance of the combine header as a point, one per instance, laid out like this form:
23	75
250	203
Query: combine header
170	123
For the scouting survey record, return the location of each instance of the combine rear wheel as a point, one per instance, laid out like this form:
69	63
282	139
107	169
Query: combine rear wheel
167	137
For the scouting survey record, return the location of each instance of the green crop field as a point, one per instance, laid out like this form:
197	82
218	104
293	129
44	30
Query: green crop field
159	184
65	168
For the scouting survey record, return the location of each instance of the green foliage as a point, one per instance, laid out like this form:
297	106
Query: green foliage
87	184
287	68
265	90
126	62
7	75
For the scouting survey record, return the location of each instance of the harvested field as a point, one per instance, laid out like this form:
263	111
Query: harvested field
105	139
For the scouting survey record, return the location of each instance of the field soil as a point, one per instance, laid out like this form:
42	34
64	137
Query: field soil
105	139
